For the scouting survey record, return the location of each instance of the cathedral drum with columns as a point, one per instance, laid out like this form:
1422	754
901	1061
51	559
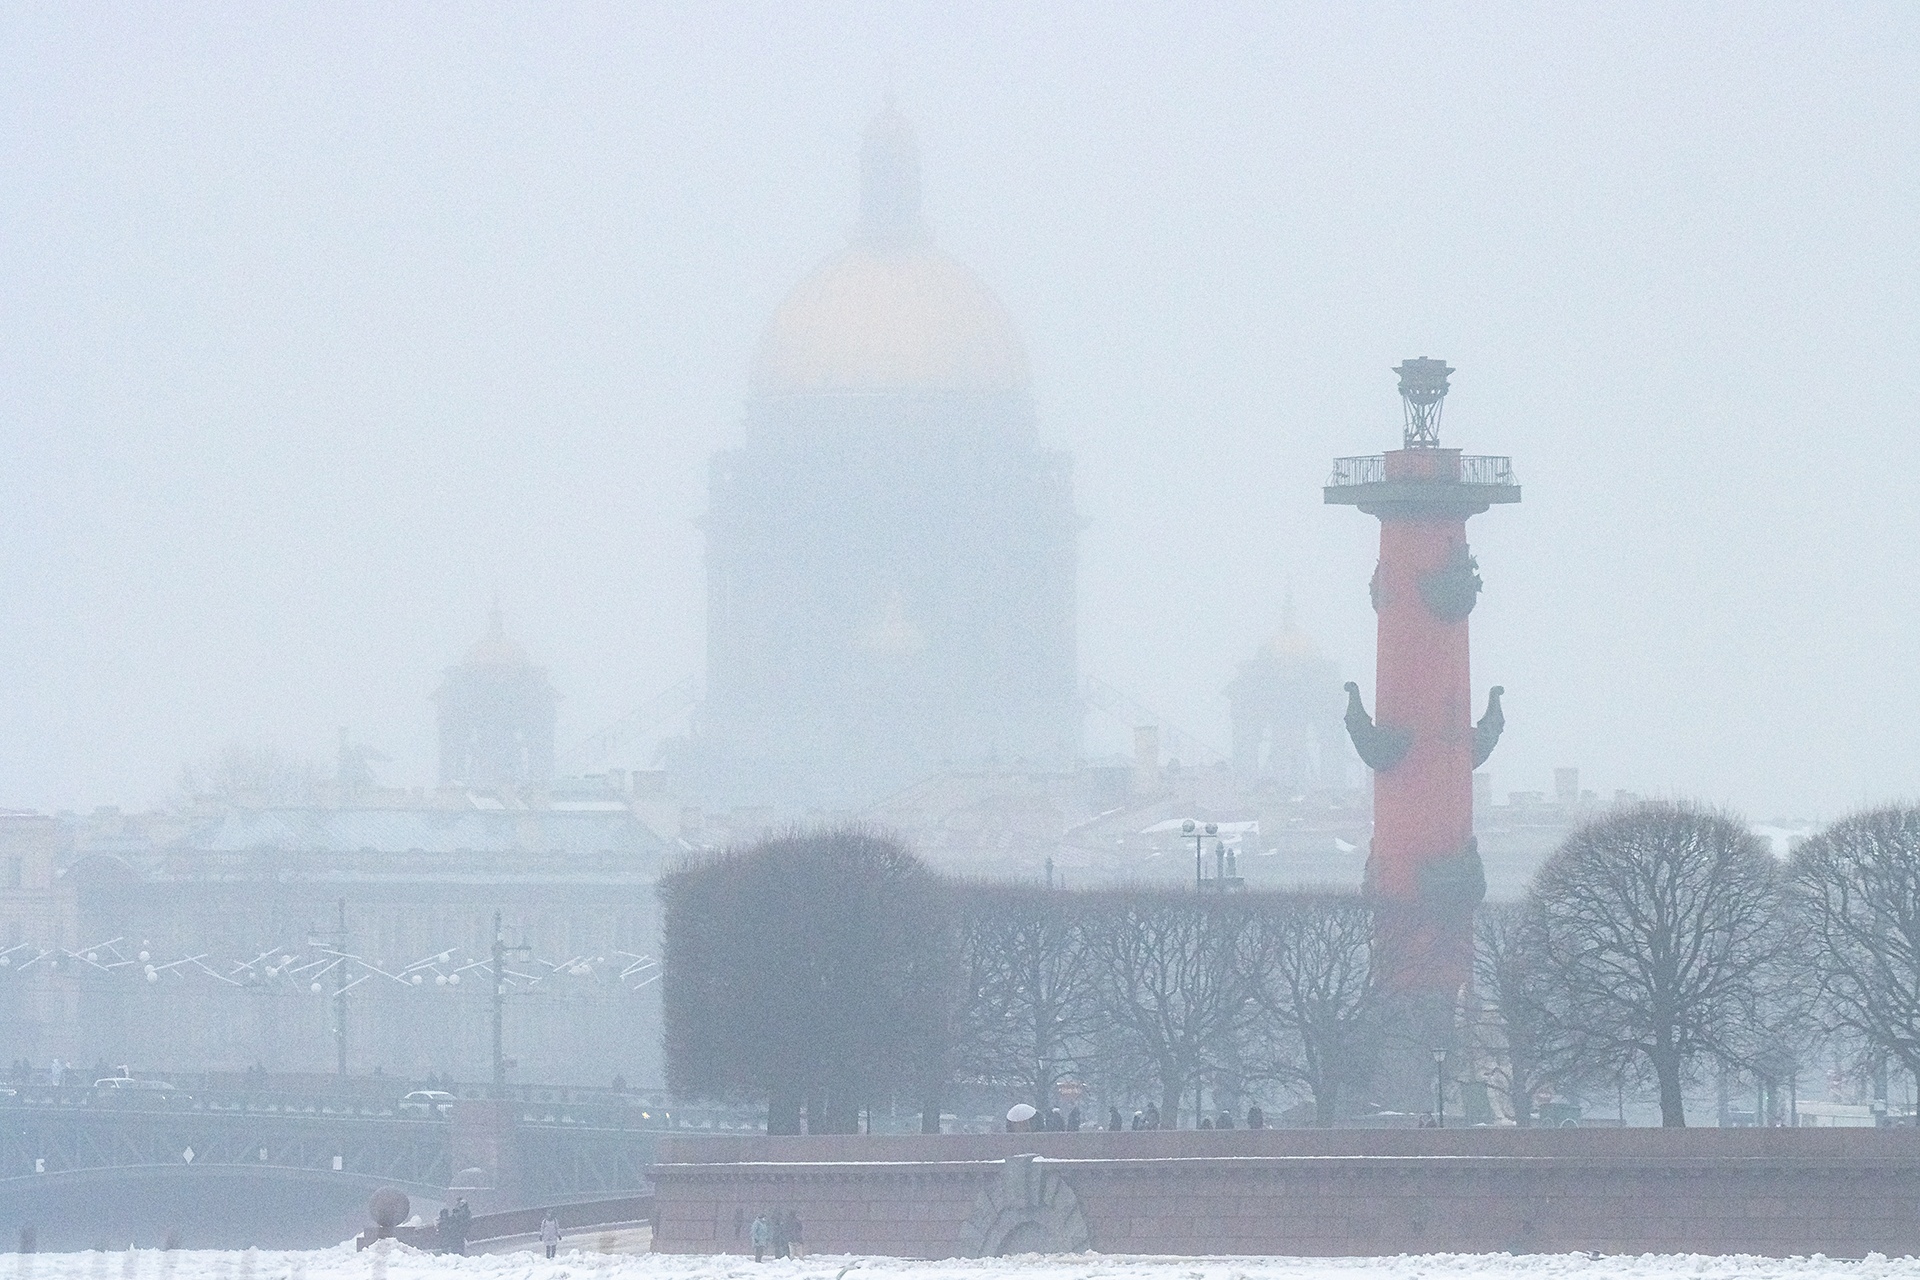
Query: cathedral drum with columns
890	552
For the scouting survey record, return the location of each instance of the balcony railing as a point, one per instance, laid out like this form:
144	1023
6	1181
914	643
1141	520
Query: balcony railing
1352	471
1485	469
1475	469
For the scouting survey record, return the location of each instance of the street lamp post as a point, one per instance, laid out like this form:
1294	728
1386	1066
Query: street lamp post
1199	834
500	953
338	942
1439	1088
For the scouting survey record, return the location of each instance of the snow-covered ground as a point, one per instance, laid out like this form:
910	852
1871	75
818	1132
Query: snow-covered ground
406	1264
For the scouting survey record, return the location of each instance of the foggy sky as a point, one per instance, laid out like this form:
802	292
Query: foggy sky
320	325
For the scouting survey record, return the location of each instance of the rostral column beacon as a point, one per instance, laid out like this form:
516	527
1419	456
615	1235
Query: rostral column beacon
1423	870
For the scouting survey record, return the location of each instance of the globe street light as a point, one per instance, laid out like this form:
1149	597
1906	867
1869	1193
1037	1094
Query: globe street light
1199	834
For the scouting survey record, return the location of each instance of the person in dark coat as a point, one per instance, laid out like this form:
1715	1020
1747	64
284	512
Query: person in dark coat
777	1225
795	1243
1256	1118
1073	1120
457	1223
1153	1115
1114	1124
1225	1121
1055	1121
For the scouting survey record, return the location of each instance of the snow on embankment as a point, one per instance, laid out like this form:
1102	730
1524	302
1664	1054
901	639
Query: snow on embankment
407	1264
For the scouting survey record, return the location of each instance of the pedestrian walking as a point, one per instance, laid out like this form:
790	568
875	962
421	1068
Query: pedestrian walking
795	1245
1153	1115
779	1229
550	1233
457	1223
760	1234
1113	1120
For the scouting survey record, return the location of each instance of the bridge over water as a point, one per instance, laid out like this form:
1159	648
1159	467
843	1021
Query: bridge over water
243	1166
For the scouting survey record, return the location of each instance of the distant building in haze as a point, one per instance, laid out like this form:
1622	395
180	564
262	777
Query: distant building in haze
1286	705
496	716
890	552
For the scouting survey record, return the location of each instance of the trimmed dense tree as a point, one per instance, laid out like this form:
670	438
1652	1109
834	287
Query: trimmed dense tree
1660	937
814	969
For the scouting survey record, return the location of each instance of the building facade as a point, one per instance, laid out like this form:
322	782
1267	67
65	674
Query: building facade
253	938
355	928
890	551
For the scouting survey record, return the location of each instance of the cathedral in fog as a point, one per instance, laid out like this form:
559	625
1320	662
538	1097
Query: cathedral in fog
496	713
890	552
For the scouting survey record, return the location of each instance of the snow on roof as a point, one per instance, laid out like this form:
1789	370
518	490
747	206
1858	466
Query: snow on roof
564	830
1200	827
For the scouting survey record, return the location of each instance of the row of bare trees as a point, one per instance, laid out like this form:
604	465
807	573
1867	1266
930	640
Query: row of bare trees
1665	941
830	970
1151	993
826	971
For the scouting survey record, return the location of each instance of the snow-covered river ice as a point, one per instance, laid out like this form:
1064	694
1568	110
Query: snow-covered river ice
401	1263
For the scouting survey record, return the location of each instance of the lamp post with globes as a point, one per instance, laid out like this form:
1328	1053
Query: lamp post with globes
337	942
1199	834
500	953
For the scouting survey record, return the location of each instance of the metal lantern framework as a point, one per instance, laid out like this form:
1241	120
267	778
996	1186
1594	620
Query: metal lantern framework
1423	393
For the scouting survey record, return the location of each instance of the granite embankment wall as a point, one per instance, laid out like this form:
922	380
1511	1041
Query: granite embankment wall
1842	1192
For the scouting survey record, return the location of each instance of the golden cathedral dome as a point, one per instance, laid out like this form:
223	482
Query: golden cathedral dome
1290	642
890	312
889	321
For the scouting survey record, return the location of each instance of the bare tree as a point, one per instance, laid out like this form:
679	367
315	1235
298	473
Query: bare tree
1660	933
1309	961
1857	885
1509	977
1032	994
1172	980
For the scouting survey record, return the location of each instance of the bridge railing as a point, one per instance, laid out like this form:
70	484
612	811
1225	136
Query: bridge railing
538	1106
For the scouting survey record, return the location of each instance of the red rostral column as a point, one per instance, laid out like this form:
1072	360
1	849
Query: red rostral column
1423	870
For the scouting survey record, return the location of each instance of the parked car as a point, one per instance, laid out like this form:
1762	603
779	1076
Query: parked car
1559	1114
426	1102
128	1082
138	1095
